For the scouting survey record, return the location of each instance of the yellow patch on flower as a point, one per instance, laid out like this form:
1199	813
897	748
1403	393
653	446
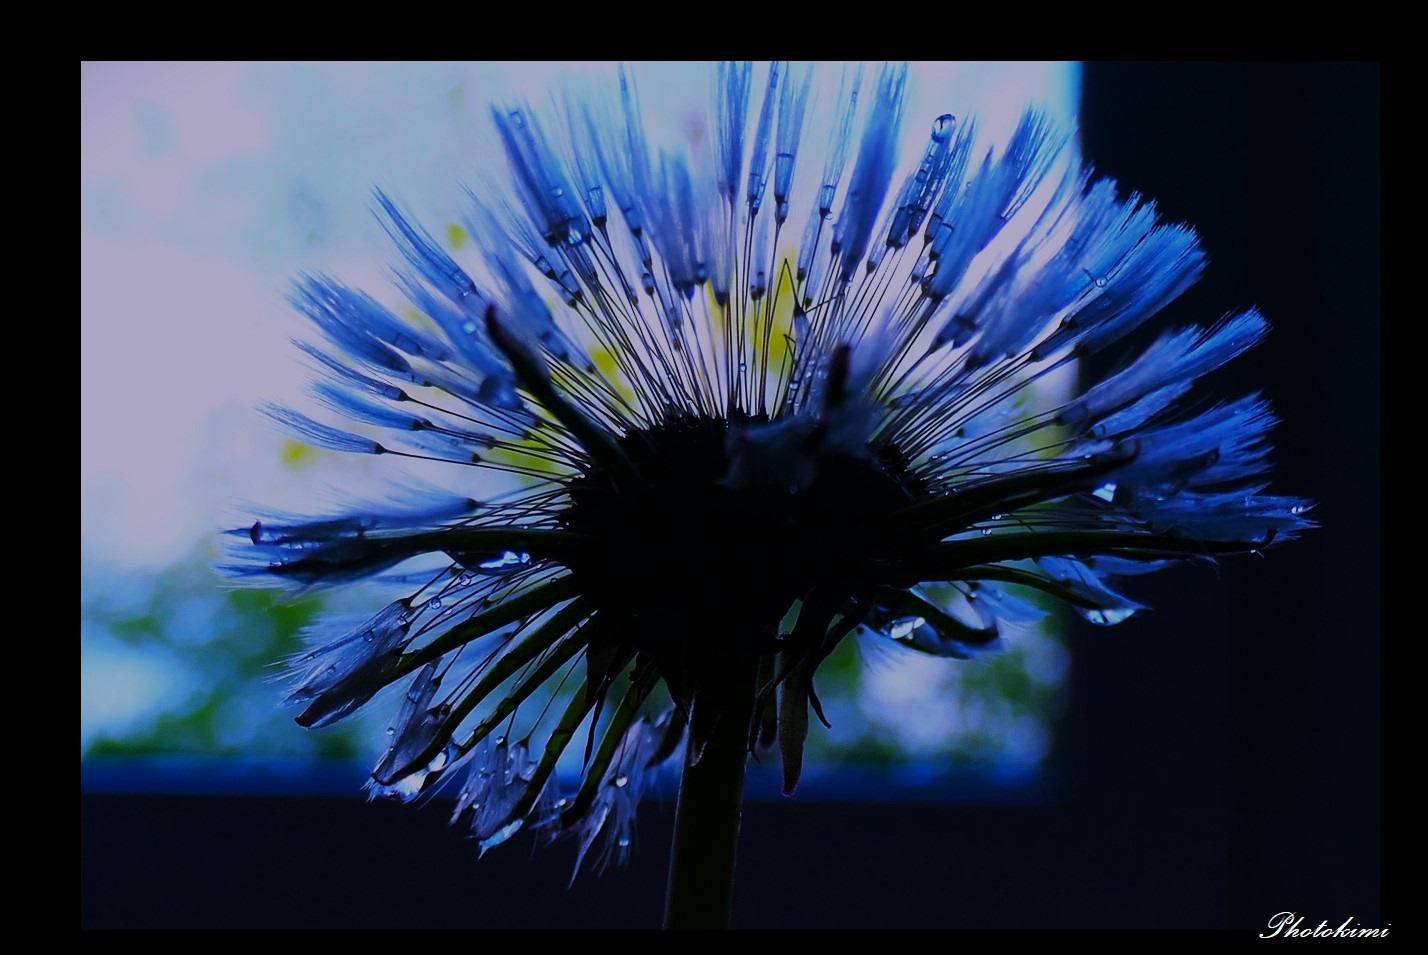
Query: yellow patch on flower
296	455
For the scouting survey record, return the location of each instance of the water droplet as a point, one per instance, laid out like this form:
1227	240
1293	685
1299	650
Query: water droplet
997	517
469	328
623	842
621	781
1106	618
562	802
986	532
743	366
507	559
502	834
1100	281
435	603
1297	509
439	761
902	628
391	730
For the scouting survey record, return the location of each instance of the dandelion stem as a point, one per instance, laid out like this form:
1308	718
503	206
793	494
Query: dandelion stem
706	821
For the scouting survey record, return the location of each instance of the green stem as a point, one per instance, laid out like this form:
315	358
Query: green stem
706	820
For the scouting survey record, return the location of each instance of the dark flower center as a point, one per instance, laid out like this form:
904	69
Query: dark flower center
698	554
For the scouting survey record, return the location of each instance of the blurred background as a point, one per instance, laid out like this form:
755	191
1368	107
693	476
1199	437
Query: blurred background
1206	766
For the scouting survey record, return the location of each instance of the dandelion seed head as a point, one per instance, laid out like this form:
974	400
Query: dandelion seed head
744	395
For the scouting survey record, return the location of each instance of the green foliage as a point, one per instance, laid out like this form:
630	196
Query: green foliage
223	648
889	704
219	650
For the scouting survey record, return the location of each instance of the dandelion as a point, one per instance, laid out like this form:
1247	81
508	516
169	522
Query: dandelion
704	413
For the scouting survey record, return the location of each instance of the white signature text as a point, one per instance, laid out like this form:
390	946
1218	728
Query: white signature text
1291	925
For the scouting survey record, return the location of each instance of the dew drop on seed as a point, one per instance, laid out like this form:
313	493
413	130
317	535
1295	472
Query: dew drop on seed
439	761
903	627
501	834
1106	618
986	532
508	559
